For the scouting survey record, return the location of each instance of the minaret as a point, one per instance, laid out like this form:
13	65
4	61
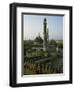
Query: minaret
47	35
45	41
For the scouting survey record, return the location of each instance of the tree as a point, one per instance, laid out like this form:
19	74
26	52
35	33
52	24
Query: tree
60	45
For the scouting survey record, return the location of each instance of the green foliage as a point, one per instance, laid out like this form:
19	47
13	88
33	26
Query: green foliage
53	56
60	45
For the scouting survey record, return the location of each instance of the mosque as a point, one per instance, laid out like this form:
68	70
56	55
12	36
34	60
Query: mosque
40	44
44	44
40	55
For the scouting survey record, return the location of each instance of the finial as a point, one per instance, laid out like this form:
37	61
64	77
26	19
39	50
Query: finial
45	20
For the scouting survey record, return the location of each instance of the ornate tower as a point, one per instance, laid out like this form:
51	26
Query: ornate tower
45	41
47	35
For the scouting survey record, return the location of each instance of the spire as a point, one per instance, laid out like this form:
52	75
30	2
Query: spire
45	21
39	34
45	35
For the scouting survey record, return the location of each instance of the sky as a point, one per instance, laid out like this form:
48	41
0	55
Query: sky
33	26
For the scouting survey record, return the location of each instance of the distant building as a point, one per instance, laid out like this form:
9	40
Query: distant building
45	41
39	43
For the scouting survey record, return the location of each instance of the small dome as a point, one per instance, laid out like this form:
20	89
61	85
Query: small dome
38	39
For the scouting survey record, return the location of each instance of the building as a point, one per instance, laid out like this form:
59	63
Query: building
43	56
43	45
46	38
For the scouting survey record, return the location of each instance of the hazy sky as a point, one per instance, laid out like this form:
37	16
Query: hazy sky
33	25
